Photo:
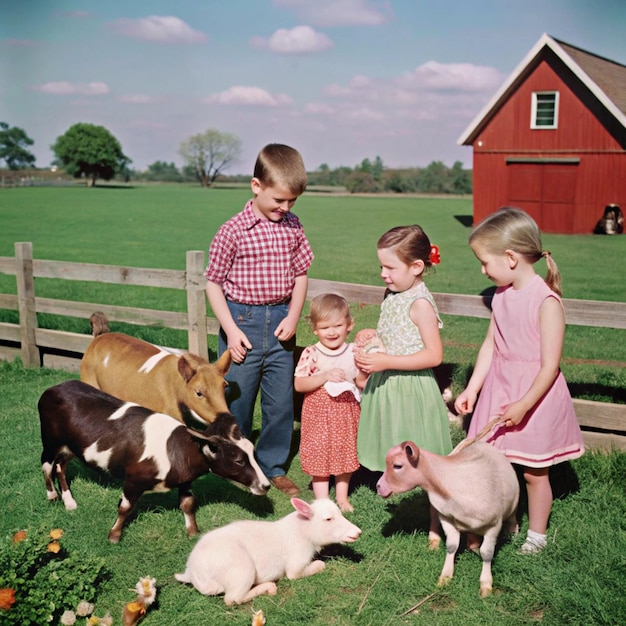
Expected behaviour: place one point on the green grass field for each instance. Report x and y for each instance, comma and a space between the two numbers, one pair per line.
578, 579
153, 226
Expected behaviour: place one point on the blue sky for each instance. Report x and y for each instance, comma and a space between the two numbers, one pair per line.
340, 80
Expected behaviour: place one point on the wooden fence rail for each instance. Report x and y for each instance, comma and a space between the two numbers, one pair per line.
604, 424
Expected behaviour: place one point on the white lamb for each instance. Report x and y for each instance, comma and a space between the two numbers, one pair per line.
243, 559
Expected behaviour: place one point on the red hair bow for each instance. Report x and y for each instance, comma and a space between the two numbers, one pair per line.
434, 258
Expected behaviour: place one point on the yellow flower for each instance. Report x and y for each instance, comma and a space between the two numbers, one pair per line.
20, 535
7, 598
57, 533
54, 546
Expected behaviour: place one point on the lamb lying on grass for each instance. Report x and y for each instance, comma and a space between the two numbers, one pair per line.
243, 559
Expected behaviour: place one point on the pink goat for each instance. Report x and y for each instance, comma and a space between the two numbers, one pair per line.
474, 490
243, 559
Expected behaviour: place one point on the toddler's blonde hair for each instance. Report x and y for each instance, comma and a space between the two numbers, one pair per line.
327, 304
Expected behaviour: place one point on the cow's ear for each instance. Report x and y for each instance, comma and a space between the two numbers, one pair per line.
185, 368
223, 363
412, 453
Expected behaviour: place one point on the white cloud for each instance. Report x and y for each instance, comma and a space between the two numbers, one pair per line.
298, 40
161, 29
452, 77
339, 12
249, 96
63, 87
138, 99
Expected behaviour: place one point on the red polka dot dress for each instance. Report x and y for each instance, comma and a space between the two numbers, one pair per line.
330, 414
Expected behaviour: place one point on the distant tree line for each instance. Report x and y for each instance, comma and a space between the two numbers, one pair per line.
374, 177
92, 152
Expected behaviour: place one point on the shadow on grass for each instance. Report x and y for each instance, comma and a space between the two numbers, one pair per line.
409, 515
208, 489
465, 220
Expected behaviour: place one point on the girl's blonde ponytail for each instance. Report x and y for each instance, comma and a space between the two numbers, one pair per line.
553, 276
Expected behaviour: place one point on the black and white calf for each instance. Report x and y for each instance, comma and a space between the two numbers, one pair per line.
149, 451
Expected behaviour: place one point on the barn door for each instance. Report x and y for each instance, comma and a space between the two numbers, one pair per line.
547, 191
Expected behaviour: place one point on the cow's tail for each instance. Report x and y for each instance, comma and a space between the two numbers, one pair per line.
99, 323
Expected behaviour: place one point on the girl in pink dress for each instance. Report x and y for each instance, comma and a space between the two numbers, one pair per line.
517, 369
326, 375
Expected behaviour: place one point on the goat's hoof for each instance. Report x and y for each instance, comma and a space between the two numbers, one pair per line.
443, 581
486, 591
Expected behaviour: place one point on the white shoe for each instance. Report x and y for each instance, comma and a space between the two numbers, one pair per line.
533, 546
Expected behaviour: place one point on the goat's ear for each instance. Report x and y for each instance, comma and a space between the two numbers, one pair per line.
303, 508
202, 436
412, 453
223, 363
185, 368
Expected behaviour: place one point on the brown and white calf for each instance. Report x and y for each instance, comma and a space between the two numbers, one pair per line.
185, 386
149, 451
474, 490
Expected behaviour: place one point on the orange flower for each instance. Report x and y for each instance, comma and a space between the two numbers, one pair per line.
7, 598
20, 535
57, 533
54, 546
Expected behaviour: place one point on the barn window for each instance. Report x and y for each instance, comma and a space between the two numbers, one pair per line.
545, 109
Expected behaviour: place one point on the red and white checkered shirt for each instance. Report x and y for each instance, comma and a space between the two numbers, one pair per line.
256, 261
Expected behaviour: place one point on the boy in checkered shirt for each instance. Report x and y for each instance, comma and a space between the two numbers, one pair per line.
257, 285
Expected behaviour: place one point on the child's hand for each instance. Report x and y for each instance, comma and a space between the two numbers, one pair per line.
336, 375
366, 340
514, 414
238, 344
363, 336
465, 402
369, 362
286, 329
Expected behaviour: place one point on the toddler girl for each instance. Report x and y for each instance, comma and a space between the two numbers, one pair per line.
326, 375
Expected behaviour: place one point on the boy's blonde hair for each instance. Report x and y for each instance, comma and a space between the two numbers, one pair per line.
278, 164
510, 228
327, 304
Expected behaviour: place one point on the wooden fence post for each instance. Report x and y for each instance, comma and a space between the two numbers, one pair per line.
195, 284
26, 303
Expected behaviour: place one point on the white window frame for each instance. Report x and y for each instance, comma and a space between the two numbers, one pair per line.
534, 111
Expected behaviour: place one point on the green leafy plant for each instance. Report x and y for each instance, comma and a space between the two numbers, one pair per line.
40, 579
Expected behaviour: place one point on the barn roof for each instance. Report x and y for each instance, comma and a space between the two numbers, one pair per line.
606, 79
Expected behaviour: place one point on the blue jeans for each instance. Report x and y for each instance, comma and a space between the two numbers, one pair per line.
269, 365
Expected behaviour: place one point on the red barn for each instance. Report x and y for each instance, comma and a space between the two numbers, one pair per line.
552, 141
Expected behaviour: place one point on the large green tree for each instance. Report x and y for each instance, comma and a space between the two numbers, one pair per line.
209, 153
90, 151
13, 152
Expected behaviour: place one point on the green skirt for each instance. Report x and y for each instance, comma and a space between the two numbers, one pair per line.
399, 406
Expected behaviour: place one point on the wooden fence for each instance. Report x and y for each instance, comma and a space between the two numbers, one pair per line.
604, 424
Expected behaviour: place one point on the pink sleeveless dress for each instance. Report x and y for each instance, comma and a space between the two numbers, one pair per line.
549, 434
